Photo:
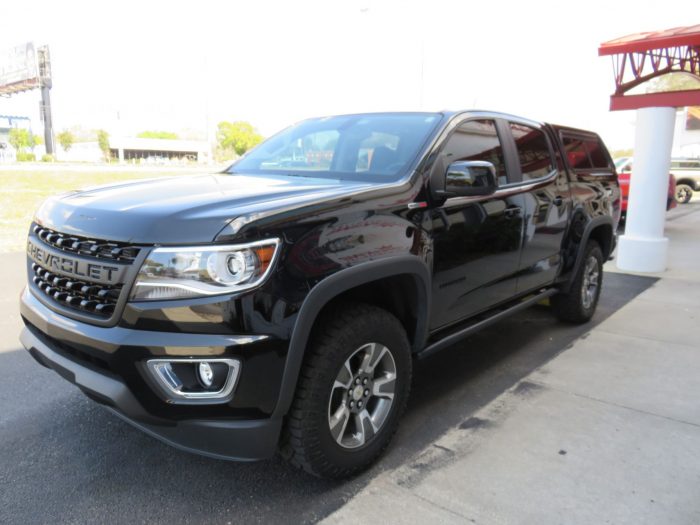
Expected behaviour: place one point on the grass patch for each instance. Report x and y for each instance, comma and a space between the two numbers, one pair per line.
24, 190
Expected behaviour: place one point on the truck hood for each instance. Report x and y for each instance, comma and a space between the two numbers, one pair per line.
182, 210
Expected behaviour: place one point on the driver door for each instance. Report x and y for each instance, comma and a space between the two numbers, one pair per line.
476, 241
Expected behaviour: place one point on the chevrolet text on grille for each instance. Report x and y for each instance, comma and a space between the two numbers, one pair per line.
72, 266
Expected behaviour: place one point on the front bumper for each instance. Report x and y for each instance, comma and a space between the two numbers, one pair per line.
218, 437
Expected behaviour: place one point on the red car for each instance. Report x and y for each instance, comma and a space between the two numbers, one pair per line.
624, 171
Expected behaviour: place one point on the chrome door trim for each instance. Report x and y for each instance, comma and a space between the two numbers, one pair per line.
505, 191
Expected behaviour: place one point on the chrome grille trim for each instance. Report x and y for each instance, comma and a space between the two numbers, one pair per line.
75, 244
74, 284
89, 297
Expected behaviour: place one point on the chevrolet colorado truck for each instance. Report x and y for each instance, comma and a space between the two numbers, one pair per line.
281, 304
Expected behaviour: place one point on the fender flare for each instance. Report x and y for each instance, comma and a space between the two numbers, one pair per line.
334, 285
594, 223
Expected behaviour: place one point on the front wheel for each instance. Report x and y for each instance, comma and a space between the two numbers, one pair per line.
683, 193
351, 392
579, 303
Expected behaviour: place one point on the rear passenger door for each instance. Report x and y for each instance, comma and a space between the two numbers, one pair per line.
545, 200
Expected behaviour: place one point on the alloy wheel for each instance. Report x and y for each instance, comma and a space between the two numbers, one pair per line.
591, 275
683, 195
362, 395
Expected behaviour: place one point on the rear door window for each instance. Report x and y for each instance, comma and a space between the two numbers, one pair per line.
576, 153
595, 152
586, 153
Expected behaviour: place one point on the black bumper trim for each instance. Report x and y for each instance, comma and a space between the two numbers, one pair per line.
108, 339
241, 440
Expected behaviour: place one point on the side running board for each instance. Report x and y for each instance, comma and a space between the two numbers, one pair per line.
461, 334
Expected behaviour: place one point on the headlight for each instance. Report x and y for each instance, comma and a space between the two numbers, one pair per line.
180, 273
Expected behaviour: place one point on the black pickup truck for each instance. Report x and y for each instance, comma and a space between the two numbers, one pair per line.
280, 305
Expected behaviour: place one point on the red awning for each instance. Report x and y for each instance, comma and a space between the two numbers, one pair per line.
678, 36
641, 57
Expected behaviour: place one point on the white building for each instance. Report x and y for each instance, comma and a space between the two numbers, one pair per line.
7, 123
158, 150
686, 135
139, 151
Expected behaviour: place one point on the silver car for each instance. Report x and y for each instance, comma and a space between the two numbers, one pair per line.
687, 174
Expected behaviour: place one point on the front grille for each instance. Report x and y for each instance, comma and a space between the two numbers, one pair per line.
115, 251
94, 298
81, 293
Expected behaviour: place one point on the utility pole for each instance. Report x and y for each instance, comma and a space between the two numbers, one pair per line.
44, 62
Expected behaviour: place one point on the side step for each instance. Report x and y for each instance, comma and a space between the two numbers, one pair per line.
464, 332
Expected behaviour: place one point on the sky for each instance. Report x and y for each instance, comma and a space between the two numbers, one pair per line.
130, 66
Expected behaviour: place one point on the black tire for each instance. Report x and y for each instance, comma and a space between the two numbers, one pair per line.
307, 440
576, 306
683, 193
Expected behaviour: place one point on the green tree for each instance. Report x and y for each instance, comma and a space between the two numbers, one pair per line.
65, 139
618, 153
21, 139
169, 135
103, 143
672, 82
239, 136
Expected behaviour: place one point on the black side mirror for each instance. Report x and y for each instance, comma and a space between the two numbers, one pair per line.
473, 177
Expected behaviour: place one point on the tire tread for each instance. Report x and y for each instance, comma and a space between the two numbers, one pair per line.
300, 444
567, 306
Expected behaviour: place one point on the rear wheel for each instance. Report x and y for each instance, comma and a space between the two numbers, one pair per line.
683, 193
579, 303
352, 390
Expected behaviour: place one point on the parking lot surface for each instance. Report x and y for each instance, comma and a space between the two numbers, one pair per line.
64, 458
608, 431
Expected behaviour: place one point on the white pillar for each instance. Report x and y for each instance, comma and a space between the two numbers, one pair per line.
643, 247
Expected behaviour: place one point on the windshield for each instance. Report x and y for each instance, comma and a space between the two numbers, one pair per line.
621, 162
378, 147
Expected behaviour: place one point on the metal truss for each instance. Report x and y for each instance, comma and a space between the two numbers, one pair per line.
636, 67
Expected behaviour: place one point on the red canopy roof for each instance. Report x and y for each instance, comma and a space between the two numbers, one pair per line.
678, 36
644, 56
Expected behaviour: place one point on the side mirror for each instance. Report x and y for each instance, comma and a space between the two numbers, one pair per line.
473, 177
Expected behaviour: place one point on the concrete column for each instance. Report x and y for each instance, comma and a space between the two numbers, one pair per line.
643, 247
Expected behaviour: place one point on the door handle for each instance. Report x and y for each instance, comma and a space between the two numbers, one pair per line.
558, 200
512, 211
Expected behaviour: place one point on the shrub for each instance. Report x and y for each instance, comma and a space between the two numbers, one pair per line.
158, 135
47, 157
23, 156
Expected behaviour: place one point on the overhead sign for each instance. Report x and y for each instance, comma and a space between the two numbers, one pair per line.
19, 69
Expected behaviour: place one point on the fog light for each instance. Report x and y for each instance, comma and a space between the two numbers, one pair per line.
165, 371
205, 374
195, 380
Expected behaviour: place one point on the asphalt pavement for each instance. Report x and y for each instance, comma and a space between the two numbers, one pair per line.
608, 431
65, 459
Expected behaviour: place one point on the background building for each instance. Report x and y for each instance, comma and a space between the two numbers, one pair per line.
132, 150
686, 136
7, 123
158, 151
